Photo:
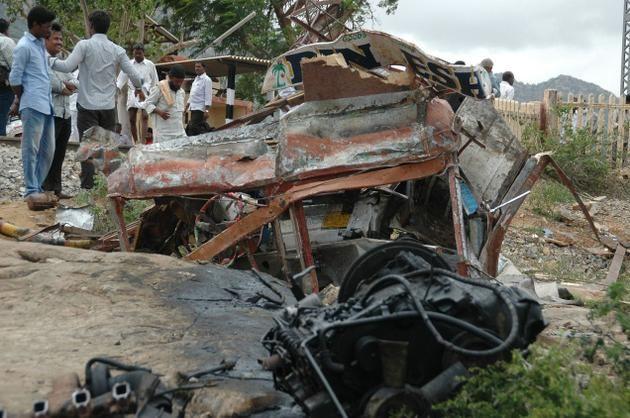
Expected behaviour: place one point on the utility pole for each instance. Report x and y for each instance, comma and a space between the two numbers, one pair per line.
625, 53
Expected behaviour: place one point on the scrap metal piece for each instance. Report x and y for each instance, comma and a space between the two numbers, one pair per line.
490, 169
371, 50
333, 136
80, 217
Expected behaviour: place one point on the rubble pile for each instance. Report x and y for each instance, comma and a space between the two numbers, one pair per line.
11, 178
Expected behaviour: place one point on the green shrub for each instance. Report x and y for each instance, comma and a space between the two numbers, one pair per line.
96, 197
577, 152
545, 197
550, 383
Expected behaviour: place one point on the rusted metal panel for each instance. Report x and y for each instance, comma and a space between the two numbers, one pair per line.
491, 168
280, 203
304, 242
333, 136
329, 77
315, 139
459, 227
371, 50
231, 159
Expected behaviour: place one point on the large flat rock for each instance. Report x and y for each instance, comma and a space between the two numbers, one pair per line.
60, 306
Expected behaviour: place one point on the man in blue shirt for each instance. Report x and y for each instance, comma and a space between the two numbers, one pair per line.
30, 82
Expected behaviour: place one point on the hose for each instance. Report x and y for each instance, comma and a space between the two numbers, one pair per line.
504, 345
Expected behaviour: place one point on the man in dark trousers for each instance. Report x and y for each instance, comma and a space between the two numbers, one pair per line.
97, 59
62, 85
6, 59
199, 101
30, 82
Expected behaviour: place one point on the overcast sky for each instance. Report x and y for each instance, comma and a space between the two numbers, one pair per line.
535, 39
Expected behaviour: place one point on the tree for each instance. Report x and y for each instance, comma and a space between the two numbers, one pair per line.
127, 16
269, 34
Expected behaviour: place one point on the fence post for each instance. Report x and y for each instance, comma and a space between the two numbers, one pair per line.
548, 116
611, 140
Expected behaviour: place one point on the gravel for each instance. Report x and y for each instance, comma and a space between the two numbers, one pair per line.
12, 179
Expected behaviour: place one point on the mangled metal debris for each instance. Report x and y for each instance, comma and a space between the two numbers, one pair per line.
111, 389
402, 336
370, 139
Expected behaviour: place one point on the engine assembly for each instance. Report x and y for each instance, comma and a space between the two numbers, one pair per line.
404, 332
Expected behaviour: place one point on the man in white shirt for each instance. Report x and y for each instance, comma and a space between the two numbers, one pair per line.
7, 45
199, 101
506, 86
146, 70
63, 85
98, 59
165, 105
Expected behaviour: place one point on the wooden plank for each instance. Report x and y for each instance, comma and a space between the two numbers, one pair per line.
601, 121
615, 265
580, 110
610, 133
589, 113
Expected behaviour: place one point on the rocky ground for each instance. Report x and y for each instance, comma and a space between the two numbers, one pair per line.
564, 248
11, 178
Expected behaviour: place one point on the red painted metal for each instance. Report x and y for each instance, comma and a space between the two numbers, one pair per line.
304, 242
458, 217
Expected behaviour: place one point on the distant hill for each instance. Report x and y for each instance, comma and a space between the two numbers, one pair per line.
524, 92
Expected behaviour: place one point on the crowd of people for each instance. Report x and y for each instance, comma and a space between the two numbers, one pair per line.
50, 93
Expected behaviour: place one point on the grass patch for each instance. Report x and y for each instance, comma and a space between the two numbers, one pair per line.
588, 377
578, 152
556, 382
99, 205
545, 197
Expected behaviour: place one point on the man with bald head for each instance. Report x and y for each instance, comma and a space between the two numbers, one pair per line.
488, 64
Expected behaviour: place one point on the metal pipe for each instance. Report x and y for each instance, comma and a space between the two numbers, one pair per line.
121, 391
40, 408
514, 199
233, 29
81, 398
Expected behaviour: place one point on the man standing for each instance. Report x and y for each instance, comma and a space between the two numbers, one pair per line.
199, 101
6, 59
506, 87
488, 65
63, 86
31, 84
146, 69
165, 104
97, 59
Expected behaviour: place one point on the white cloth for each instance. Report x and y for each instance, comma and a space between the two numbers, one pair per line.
98, 59
7, 45
171, 128
200, 93
146, 70
507, 91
